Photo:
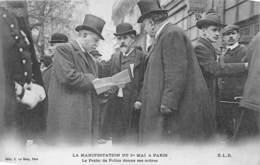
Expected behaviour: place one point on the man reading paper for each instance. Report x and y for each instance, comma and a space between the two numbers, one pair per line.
122, 117
73, 115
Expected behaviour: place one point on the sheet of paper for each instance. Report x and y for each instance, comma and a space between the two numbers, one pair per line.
104, 84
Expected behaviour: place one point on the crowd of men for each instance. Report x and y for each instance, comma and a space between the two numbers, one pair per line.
179, 91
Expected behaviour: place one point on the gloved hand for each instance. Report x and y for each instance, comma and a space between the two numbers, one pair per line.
112, 90
30, 99
137, 105
165, 110
37, 89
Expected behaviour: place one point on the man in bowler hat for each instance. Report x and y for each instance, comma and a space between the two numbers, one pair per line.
210, 26
123, 109
56, 40
231, 88
73, 115
175, 99
25, 104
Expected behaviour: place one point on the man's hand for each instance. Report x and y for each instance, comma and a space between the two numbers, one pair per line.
165, 110
18, 89
30, 99
113, 90
39, 90
137, 105
246, 65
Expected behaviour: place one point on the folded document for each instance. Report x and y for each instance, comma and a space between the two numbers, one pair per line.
103, 84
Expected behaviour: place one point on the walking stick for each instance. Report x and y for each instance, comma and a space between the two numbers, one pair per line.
239, 121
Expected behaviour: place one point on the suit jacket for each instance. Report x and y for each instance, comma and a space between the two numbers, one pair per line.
251, 93
173, 78
231, 87
212, 69
73, 101
131, 91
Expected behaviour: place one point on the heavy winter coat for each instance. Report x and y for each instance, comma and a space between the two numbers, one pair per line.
173, 78
73, 106
251, 94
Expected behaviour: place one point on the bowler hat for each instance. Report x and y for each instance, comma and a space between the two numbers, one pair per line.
17, 4
124, 29
93, 24
209, 19
230, 28
149, 7
58, 38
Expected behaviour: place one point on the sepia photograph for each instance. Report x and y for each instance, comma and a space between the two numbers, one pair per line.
125, 82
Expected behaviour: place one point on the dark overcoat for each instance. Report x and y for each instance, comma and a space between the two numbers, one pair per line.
173, 78
21, 66
211, 69
231, 87
251, 93
46, 76
124, 119
73, 106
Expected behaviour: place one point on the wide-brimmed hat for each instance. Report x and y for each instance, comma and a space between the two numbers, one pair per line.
58, 38
124, 29
149, 7
93, 24
209, 19
230, 28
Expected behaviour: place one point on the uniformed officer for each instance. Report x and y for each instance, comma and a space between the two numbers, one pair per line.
231, 88
25, 96
56, 40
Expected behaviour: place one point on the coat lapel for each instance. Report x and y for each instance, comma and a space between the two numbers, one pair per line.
80, 53
208, 45
156, 41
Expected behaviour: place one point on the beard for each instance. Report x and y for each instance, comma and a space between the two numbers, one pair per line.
124, 49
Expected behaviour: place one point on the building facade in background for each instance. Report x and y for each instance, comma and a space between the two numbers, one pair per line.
185, 13
244, 13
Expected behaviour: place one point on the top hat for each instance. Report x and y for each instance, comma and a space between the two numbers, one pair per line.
124, 29
209, 19
230, 28
58, 38
148, 7
92, 23
17, 4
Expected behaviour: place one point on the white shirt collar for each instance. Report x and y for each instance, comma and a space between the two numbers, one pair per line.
233, 46
160, 29
129, 52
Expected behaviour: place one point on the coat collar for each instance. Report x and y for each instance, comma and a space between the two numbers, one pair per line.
166, 25
79, 51
206, 43
137, 58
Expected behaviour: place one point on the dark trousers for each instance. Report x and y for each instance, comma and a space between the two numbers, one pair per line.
236, 122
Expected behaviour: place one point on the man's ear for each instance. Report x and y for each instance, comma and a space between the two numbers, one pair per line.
238, 36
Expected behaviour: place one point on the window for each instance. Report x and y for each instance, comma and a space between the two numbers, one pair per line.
244, 11
230, 16
229, 3
256, 28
